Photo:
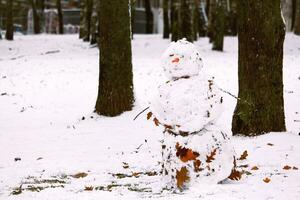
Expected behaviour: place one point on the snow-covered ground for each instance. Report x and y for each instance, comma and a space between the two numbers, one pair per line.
52, 145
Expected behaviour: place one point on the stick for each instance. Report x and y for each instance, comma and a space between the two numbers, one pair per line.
140, 113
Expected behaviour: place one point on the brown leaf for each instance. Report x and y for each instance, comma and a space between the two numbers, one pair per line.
136, 174
244, 155
182, 177
266, 180
295, 168
235, 175
211, 157
79, 175
197, 164
88, 188
254, 168
287, 167
156, 122
270, 144
185, 154
125, 165
168, 126
149, 115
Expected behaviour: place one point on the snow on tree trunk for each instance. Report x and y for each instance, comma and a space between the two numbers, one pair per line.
260, 38
115, 91
194, 150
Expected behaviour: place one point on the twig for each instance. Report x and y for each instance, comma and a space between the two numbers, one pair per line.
140, 113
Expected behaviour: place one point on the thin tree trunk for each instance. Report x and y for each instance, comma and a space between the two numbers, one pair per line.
218, 25
166, 33
115, 92
175, 19
186, 26
36, 19
60, 17
260, 38
297, 18
149, 17
9, 21
88, 19
82, 31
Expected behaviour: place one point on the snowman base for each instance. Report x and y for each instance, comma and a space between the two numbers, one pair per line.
204, 157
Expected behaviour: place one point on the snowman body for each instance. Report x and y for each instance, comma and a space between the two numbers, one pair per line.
194, 150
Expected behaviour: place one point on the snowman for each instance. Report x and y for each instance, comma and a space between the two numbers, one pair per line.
194, 150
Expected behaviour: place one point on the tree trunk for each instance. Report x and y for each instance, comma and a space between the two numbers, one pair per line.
260, 38
218, 24
166, 33
60, 17
9, 21
115, 92
88, 19
186, 26
287, 11
82, 31
132, 16
149, 17
231, 18
36, 19
175, 19
297, 18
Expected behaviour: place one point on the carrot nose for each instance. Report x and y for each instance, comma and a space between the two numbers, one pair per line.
175, 60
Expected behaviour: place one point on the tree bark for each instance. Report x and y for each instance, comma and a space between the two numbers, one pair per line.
218, 24
9, 21
115, 92
260, 38
175, 19
60, 17
186, 26
82, 31
166, 33
88, 19
132, 16
149, 17
36, 19
297, 18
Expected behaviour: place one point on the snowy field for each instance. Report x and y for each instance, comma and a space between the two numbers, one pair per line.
52, 145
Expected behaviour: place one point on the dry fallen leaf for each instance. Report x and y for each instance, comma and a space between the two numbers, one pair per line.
156, 122
88, 188
211, 157
185, 154
136, 174
149, 115
244, 155
295, 168
235, 175
266, 180
254, 168
287, 167
79, 175
270, 144
182, 177
125, 165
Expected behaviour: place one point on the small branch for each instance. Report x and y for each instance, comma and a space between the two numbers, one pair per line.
140, 113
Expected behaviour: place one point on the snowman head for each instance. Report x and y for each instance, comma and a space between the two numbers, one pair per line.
181, 59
